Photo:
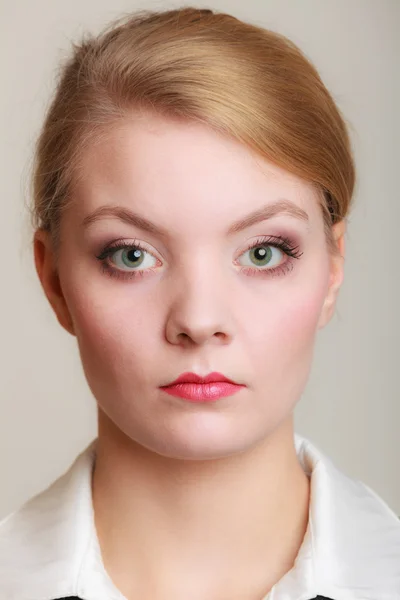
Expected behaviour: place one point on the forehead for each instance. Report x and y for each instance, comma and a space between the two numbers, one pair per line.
173, 170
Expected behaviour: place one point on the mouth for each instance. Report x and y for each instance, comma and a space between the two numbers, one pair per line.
197, 388
202, 392
213, 377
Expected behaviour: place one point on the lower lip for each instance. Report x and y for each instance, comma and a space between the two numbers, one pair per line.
208, 392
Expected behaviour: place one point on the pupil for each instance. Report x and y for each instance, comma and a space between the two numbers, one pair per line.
262, 254
133, 255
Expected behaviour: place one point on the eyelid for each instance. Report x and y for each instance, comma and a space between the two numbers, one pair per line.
281, 242
120, 244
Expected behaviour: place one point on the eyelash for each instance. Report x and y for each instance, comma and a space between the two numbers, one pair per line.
282, 243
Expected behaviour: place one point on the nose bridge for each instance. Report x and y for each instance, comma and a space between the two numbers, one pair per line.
201, 298
202, 283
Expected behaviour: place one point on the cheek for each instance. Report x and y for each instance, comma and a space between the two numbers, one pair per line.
300, 307
283, 338
114, 329
297, 319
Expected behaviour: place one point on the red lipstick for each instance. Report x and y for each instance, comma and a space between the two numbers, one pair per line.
195, 388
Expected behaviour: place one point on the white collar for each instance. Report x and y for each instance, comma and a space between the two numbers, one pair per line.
351, 550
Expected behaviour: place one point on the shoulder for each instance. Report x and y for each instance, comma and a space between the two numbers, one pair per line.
43, 543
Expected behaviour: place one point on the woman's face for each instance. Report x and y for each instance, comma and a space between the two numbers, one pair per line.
195, 297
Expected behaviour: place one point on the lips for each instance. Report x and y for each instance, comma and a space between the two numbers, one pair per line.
206, 392
194, 378
202, 389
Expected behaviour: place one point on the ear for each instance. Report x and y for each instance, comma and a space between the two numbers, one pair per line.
336, 274
46, 268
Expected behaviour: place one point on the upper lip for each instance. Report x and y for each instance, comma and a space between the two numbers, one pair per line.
193, 378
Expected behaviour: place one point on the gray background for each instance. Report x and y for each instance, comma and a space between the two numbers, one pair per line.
351, 406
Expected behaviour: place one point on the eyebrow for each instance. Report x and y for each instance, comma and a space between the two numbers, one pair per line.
263, 213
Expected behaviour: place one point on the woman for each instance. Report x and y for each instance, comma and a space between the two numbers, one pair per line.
192, 183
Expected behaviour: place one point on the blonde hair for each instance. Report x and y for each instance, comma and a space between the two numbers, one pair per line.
242, 80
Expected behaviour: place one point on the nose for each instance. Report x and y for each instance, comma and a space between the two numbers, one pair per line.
200, 310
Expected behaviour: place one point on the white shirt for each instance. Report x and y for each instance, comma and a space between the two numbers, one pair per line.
351, 550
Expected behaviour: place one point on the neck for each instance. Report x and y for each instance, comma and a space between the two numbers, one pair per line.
219, 527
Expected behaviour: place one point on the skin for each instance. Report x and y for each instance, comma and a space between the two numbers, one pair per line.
222, 498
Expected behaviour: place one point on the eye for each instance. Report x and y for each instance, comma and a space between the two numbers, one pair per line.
123, 258
132, 257
263, 255
127, 260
